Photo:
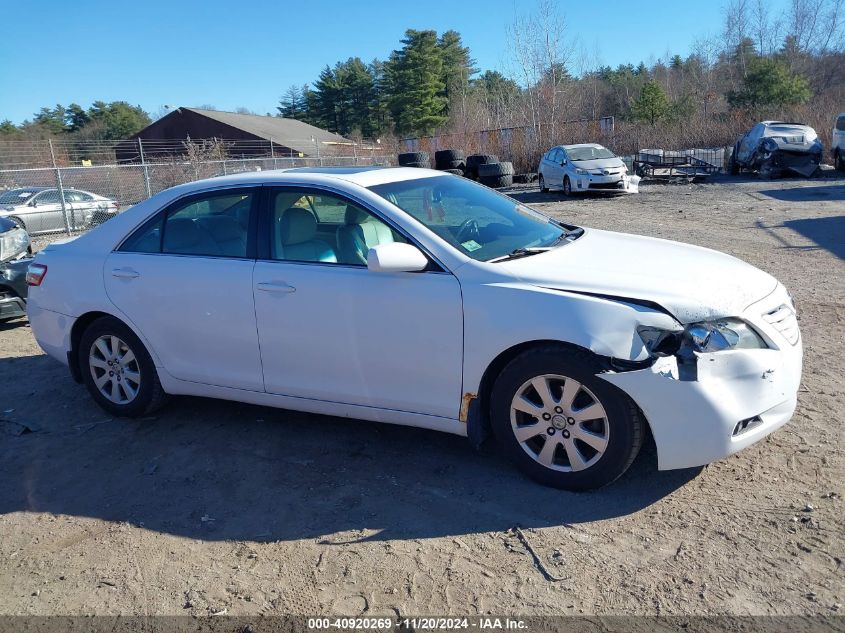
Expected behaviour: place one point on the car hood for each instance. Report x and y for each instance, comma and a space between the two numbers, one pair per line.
690, 282
599, 163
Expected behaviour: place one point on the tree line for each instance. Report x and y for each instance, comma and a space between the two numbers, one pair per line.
762, 64
100, 121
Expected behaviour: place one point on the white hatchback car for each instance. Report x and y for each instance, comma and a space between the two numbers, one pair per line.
582, 168
413, 297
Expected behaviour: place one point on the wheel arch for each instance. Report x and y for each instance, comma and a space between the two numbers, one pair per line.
82, 323
478, 415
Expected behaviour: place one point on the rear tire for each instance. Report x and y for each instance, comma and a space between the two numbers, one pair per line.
594, 429
118, 371
839, 161
496, 182
414, 159
495, 169
542, 182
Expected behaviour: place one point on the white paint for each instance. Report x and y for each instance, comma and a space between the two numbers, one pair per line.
403, 347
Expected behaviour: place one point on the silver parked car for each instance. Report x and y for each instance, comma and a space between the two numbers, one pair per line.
772, 148
584, 167
39, 209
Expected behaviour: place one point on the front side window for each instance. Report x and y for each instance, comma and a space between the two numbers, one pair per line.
474, 219
315, 226
215, 225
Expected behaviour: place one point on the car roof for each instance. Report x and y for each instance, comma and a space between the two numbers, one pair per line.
785, 124
26, 189
362, 176
574, 145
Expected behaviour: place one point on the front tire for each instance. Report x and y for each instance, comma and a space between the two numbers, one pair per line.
567, 186
839, 161
560, 423
118, 370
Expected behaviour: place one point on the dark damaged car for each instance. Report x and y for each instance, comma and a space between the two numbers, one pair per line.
775, 148
14, 260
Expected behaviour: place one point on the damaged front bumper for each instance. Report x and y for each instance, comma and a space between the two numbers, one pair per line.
13, 289
614, 183
736, 397
771, 161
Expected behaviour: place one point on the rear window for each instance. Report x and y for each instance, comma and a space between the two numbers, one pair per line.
840, 123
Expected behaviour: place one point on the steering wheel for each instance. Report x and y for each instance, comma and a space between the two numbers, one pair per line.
468, 229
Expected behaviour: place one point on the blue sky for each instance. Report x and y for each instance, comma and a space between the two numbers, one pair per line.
230, 54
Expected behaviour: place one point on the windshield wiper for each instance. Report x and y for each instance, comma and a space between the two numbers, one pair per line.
520, 252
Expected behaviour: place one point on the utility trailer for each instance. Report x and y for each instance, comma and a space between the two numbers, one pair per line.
690, 165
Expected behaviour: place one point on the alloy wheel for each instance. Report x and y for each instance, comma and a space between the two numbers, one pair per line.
559, 423
115, 369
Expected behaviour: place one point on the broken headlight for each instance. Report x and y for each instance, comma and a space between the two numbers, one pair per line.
706, 336
715, 336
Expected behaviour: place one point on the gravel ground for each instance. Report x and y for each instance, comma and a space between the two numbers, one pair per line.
217, 505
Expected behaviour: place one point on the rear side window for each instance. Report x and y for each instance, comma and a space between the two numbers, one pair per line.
840, 123
215, 225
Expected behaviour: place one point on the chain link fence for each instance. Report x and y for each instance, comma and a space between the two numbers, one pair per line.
54, 189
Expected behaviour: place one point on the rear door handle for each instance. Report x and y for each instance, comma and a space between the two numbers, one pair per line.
275, 286
125, 273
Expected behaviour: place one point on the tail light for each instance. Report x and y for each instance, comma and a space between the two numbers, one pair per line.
35, 274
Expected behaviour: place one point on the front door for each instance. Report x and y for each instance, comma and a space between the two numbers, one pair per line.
332, 330
184, 279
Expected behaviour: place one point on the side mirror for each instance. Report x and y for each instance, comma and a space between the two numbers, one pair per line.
396, 257
33, 204
563, 162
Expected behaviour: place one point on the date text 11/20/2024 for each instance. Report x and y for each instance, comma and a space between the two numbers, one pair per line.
417, 624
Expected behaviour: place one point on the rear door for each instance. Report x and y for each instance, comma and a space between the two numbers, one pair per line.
554, 177
839, 134
184, 279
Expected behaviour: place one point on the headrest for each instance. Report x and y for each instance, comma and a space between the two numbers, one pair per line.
182, 234
297, 225
354, 215
222, 227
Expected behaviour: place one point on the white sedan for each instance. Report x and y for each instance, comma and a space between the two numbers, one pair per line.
414, 297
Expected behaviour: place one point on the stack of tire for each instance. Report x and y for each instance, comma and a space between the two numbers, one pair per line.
496, 175
474, 160
451, 161
415, 159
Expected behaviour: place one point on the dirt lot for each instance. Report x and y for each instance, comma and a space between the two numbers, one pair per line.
216, 505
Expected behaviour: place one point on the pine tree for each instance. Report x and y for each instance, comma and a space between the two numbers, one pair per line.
652, 104
416, 84
457, 67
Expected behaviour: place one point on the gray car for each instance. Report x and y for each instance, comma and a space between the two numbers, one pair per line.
14, 261
40, 209
772, 148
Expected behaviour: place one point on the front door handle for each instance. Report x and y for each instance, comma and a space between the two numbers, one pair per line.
275, 286
125, 273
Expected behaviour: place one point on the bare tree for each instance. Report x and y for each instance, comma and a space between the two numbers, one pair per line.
542, 52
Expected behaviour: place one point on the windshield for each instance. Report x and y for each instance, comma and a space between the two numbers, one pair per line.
473, 218
588, 153
16, 196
